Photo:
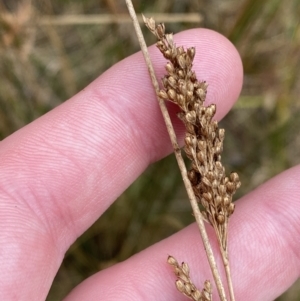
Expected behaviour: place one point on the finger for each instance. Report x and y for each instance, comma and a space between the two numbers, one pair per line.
59, 173
264, 252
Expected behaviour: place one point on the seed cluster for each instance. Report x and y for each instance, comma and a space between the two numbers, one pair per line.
203, 139
185, 285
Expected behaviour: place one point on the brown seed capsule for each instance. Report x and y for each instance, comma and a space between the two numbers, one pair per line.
167, 54
188, 62
201, 157
196, 84
182, 87
150, 23
215, 184
189, 95
169, 39
212, 134
180, 285
193, 76
177, 271
190, 128
188, 152
204, 85
188, 289
185, 268
201, 94
219, 166
160, 30
191, 52
180, 100
218, 200
188, 140
191, 117
204, 203
221, 134
181, 82
221, 218
202, 111
170, 68
163, 94
217, 150
181, 74
214, 125
183, 276
180, 50
226, 201
210, 175
206, 296
172, 261
172, 81
205, 215
160, 45
193, 176
196, 295
211, 110
230, 187
234, 177
181, 61
222, 190
194, 141
165, 82
172, 94
206, 181
231, 208
217, 142
207, 196
190, 86
202, 145
207, 286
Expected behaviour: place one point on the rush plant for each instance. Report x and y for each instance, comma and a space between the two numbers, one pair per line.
209, 189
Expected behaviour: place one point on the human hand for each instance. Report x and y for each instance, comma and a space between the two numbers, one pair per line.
61, 172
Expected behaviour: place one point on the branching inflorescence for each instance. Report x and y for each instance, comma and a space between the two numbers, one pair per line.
203, 139
185, 285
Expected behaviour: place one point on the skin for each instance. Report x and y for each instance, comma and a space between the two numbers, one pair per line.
62, 171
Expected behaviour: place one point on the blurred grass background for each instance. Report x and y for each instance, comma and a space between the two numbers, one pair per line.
51, 49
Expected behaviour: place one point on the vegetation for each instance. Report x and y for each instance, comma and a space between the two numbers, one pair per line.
46, 57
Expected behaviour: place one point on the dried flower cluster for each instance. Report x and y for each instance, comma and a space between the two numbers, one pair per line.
203, 140
203, 146
186, 286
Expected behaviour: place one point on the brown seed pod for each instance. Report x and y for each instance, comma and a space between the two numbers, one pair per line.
172, 94
221, 218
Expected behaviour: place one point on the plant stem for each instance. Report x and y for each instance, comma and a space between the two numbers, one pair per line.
180, 161
225, 259
229, 279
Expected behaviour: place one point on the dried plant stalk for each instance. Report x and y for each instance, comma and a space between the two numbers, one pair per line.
185, 285
203, 139
206, 182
